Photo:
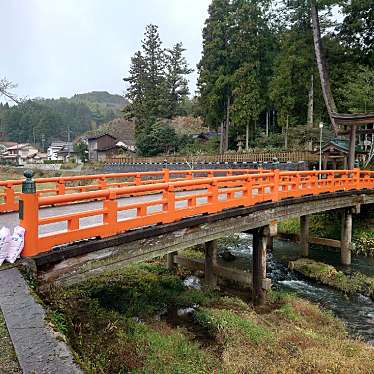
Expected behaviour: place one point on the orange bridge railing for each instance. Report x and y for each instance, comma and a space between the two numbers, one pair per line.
168, 201
10, 190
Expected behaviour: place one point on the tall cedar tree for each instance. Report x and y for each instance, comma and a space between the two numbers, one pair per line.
215, 69
248, 46
294, 66
357, 30
146, 91
137, 109
175, 79
157, 83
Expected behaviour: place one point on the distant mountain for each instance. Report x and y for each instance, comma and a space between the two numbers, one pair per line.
41, 121
102, 97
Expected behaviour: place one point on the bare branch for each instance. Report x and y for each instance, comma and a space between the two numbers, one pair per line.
5, 90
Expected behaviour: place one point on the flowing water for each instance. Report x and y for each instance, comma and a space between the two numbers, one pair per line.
356, 312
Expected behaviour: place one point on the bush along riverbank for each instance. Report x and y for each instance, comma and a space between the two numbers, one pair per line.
327, 225
147, 319
356, 283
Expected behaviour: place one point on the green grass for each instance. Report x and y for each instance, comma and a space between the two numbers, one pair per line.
232, 326
328, 275
8, 359
113, 324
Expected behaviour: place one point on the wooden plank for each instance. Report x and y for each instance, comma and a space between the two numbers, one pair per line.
312, 240
221, 271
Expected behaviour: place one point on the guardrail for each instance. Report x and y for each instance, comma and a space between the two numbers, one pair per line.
171, 201
293, 156
10, 190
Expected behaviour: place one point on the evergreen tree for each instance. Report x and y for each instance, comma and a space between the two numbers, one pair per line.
175, 80
357, 30
136, 91
249, 46
154, 65
215, 68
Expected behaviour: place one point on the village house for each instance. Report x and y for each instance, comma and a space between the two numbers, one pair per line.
20, 154
55, 148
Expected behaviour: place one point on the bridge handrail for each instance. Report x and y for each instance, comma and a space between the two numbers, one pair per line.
118, 192
10, 194
237, 190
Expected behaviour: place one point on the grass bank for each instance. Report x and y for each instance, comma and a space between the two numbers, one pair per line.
326, 274
136, 322
8, 359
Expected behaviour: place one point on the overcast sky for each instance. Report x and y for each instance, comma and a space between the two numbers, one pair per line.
55, 48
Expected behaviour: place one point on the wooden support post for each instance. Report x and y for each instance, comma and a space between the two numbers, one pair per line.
346, 237
259, 265
352, 148
170, 260
210, 262
304, 235
270, 243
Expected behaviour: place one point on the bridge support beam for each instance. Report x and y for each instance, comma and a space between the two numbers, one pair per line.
170, 260
346, 236
304, 234
210, 263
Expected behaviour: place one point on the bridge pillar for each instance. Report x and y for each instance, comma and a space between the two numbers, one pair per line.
170, 262
210, 262
260, 238
270, 243
346, 236
304, 235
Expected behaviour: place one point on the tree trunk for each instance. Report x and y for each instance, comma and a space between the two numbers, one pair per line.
286, 135
222, 137
322, 68
227, 124
267, 124
311, 105
247, 137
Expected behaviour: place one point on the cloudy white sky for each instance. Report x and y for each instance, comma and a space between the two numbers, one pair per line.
55, 48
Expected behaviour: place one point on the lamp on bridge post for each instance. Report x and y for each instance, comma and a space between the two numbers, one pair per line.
320, 145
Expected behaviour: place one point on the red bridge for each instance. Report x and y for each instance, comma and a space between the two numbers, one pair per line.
118, 209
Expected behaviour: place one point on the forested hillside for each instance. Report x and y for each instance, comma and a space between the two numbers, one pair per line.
41, 121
